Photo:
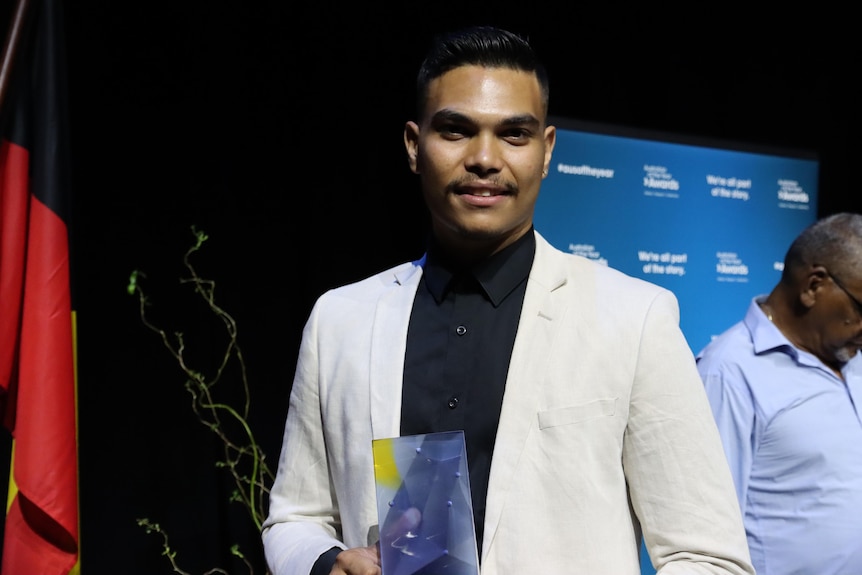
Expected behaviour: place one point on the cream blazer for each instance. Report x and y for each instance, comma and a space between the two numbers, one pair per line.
605, 432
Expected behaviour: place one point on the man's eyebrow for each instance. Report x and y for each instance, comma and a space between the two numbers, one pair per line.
449, 115
521, 120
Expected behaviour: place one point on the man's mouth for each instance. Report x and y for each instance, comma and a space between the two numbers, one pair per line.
480, 193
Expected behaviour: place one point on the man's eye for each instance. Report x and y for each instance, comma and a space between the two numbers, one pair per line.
453, 131
516, 136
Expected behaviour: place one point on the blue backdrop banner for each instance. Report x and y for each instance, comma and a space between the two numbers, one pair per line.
707, 220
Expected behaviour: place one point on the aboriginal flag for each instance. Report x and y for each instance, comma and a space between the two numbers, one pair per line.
37, 323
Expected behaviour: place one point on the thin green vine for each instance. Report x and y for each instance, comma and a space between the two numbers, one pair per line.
243, 456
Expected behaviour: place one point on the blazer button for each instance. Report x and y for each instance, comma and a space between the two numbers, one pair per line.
453, 402
460, 330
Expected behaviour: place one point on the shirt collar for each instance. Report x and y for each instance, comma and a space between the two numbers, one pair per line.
764, 334
498, 275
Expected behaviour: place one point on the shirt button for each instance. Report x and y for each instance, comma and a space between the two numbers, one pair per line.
460, 330
453, 402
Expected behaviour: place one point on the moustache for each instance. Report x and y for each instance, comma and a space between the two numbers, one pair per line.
467, 181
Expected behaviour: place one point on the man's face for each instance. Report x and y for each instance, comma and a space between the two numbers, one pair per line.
481, 149
842, 333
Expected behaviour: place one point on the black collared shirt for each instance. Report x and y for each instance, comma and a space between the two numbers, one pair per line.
459, 342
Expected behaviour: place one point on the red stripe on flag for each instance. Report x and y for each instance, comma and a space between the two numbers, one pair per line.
41, 531
13, 240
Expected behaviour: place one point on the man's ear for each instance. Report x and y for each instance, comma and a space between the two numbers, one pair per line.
813, 283
550, 140
411, 144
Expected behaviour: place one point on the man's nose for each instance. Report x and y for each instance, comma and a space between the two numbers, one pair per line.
484, 155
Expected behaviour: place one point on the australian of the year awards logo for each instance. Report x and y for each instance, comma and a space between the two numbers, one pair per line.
659, 181
792, 195
730, 267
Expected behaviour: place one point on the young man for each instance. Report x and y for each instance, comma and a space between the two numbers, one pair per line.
584, 418
785, 385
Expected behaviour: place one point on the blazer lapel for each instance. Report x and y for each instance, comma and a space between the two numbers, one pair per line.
544, 304
387, 348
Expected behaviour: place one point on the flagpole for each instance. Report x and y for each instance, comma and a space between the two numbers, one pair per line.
10, 47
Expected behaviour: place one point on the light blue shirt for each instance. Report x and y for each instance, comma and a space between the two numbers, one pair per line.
792, 434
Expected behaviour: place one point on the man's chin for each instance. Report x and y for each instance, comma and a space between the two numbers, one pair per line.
845, 354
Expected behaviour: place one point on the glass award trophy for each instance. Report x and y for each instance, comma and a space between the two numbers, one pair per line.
424, 507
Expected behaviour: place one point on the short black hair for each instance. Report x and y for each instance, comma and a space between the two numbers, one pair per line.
486, 46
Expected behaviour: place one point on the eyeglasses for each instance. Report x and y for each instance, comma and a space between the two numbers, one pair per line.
855, 301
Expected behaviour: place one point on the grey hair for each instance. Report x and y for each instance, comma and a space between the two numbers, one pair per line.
834, 242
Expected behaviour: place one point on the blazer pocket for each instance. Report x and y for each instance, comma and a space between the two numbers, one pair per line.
577, 413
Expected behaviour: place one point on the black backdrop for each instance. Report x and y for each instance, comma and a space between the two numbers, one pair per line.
275, 127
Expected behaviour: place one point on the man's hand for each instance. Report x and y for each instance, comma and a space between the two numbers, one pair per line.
357, 561
366, 560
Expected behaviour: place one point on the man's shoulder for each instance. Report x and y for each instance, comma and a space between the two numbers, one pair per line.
731, 347
405, 273
581, 268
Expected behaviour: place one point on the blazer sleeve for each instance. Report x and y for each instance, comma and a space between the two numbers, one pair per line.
680, 484
303, 520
